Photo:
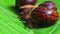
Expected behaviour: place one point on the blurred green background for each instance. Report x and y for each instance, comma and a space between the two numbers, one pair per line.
10, 24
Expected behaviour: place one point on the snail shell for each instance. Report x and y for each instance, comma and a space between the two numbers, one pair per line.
45, 13
24, 2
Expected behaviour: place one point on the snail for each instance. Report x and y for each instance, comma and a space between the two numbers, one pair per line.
43, 15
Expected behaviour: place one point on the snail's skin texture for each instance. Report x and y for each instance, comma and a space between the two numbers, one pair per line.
26, 14
44, 15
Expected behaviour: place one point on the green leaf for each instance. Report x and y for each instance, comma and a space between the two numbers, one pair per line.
10, 24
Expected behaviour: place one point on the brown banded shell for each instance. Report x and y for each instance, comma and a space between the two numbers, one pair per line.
46, 13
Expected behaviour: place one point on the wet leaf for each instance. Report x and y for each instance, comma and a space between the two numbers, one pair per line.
10, 24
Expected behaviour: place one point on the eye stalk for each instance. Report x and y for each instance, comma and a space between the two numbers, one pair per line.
28, 6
